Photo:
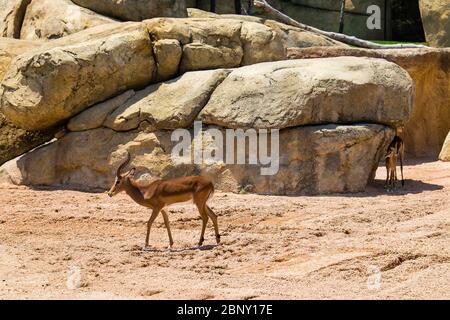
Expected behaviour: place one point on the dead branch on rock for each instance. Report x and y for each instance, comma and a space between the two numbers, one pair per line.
354, 41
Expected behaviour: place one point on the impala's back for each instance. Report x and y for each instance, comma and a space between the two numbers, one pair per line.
180, 190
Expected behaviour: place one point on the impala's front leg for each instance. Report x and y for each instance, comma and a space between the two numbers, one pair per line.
149, 224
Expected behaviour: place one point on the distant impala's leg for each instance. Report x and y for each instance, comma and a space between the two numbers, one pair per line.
213, 217
386, 184
395, 177
204, 217
150, 222
166, 222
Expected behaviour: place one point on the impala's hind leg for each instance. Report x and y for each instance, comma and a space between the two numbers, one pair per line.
395, 177
167, 223
386, 184
213, 217
204, 217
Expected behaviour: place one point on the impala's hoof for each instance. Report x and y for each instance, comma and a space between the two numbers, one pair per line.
170, 247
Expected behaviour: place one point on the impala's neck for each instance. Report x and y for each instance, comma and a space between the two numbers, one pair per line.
133, 192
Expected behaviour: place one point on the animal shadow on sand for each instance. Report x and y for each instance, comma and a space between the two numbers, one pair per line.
176, 250
377, 188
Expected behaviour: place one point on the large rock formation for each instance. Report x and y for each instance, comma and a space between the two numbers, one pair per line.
68, 75
11, 17
436, 21
334, 115
304, 92
425, 132
51, 19
13, 140
445, 152
136, 10
309, 159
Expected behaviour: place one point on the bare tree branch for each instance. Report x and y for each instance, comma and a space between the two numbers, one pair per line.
266, 7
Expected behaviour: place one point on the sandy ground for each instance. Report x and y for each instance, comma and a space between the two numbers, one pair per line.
63, 244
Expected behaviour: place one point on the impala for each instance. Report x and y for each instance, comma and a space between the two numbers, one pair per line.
162, 193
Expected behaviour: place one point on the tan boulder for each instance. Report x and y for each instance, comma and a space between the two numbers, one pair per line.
445, 152
168, 54
95, 116
12, 13
45, 87
136, 10
304, 92
13, 140
168, 105
436, 21
164, 106
425, 132
51, 19
336, 159
198, 13
261, 43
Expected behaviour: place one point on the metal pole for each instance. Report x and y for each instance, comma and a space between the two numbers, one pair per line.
341, 18
388, 20
238, 6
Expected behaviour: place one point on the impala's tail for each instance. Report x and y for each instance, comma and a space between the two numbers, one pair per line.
211, 194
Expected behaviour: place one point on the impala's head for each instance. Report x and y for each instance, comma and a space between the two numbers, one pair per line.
121, 178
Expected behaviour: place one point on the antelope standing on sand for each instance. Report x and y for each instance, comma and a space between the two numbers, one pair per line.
391, 168
162, 193
396, 150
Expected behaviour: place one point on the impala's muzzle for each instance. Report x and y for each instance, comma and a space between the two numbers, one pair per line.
113, 191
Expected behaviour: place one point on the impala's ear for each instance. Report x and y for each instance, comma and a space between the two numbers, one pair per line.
131, 172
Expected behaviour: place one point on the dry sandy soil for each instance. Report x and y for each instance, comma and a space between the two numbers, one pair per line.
273, 247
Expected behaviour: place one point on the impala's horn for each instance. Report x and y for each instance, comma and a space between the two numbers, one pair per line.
123, 165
